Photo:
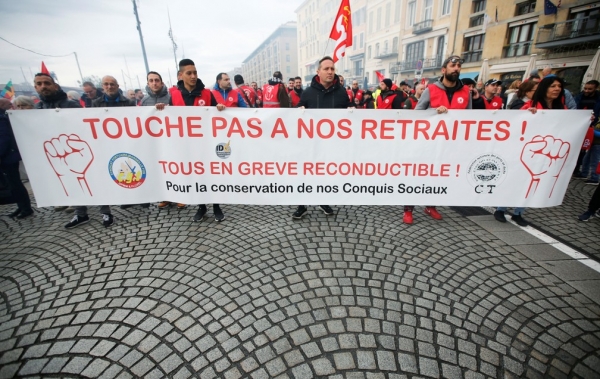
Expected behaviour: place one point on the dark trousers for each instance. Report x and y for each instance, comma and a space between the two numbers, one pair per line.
595, 201
18, 190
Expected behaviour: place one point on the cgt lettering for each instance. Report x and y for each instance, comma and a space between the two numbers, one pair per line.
487, 189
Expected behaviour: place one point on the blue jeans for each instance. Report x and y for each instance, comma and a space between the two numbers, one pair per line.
518, 211
590, 162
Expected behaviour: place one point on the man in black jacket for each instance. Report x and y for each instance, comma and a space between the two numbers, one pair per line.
51, 95
325, 91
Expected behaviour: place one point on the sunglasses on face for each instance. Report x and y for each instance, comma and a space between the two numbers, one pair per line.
455, 60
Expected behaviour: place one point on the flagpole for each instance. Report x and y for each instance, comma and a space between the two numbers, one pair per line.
79, 67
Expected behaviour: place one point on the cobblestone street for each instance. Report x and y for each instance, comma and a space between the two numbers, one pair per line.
355, 295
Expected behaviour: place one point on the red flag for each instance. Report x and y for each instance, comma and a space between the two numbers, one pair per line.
423, 81
380, 76
342, 30
44, 69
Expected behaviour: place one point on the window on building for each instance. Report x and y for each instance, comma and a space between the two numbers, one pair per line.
520, 40
288, 58
362, 40
526, 7
473, 47
287, 45
371, 22
397, 13
441, 44
388, 14
379, 18
428, 10
395, 45
410, 14
288, 69
376, 50
479, 5
385, 47
369, 52
357, 68
446, 7
476, 21
414, 52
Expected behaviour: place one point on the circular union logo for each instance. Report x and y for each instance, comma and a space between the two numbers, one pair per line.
223, 150
487, 169
230, 99
201, 102
127, 170
387, 101
495, 104
460, 100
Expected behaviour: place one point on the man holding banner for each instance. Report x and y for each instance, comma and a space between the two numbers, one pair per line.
325, 91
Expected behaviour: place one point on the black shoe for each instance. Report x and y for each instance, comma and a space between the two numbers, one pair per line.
107, 220
25, 214
199, 216
219, 216
326, 209
301, 211
76, 221
519, 220
499, 216
125, 206
145, 205
14, 214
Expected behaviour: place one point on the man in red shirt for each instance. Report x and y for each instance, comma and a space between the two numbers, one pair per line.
490, 98
296, 93
355, 93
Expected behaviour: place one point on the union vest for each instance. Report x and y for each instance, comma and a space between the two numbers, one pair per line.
529, 104
496, 103
295, 99
387, 103
177, 99
250, 94
359, 95
270, 99
438, 98
232, 98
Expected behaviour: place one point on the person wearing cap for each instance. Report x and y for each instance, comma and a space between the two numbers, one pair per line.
447, 93
368, 101
489, 100
389, 99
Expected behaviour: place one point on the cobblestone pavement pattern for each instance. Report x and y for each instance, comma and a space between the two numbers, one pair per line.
357, 295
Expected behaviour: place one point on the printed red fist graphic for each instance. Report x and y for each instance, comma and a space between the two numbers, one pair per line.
544, 158
70, 157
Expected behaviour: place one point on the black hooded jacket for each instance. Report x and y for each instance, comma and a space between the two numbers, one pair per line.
58, 100
317, 97
189, 97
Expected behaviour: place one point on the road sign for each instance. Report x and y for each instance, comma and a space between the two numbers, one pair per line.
419, 65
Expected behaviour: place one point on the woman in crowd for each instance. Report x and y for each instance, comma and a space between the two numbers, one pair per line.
524, 94
23, 102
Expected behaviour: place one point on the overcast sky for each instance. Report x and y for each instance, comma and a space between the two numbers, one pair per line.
217, 35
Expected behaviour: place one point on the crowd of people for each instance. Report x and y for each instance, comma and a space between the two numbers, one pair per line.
326, 90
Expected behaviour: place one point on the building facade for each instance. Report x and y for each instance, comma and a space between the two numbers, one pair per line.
507, 33
279, 52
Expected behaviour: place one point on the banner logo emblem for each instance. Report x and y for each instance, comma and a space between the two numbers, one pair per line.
223, 150
486, 171
127, 170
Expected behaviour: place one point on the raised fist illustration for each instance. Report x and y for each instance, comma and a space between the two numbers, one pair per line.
544, 158
70, 157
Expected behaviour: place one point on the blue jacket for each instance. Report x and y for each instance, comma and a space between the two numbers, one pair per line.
9, 152
241, 102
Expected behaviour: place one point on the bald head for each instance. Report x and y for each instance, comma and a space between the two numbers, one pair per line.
5, 104
546, 71
110, 85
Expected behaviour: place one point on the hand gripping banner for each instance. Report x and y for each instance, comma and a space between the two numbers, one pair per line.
195, 155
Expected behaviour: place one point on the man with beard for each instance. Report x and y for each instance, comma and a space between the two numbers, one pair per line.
52, 96
225, 94
297, 92
489, 99
247, 93
259, 94
275, 95
190, 91
389, 99
447, 93
355, 93
324, 92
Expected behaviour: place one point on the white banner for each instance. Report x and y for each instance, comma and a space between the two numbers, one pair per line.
197, 155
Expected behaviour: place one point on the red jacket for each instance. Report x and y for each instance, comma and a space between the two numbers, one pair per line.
295, 98
438, 97
387, 103
495, 103
177, 99
270, 93
250, 95
232, 97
